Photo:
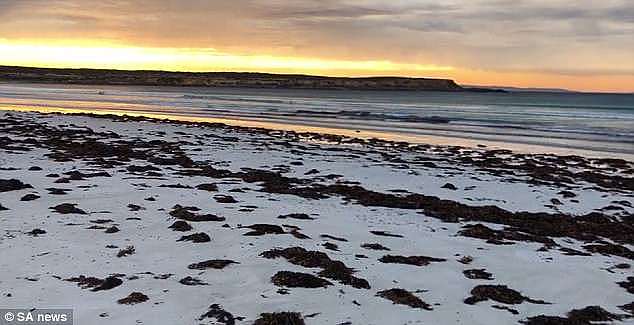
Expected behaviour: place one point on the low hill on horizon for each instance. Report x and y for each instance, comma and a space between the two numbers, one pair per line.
223, 79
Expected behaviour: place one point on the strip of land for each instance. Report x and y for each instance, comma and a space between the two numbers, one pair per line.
223, 79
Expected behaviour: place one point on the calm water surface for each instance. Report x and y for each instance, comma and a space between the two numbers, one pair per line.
603, 123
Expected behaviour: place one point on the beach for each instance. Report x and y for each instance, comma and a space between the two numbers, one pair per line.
316, 162
131, 219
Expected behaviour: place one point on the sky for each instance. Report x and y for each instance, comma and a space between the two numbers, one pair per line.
576, 44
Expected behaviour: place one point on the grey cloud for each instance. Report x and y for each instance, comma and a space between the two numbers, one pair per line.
545, 35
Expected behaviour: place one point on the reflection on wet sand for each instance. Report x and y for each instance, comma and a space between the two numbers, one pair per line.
364, 134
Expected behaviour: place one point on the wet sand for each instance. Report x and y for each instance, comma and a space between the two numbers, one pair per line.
437, 140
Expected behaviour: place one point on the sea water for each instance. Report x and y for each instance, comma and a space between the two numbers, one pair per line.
601, 123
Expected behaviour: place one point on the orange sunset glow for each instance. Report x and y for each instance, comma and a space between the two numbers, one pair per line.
470, 42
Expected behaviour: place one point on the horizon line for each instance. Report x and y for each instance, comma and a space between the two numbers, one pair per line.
509, 88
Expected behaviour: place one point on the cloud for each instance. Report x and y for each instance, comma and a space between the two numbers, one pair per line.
566, 36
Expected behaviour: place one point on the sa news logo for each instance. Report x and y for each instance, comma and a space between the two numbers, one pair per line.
30, 317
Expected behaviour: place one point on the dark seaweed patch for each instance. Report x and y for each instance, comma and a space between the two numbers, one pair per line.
331, 269
211, 264
404, 297
298, 280
410, 260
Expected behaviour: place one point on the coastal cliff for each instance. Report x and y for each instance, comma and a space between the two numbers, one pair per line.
222, 79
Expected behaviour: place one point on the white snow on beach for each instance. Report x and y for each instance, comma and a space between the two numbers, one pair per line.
34, 267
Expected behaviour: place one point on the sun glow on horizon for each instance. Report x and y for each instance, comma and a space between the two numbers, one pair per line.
105, 55
110, 56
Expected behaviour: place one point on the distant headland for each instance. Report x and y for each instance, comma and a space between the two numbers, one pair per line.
225, 79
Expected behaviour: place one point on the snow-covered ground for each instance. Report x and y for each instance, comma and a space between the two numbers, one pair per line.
35, 268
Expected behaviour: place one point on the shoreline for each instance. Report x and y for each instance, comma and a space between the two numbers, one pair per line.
436, 140
130, 218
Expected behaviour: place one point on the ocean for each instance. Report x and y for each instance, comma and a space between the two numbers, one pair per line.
599, 124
